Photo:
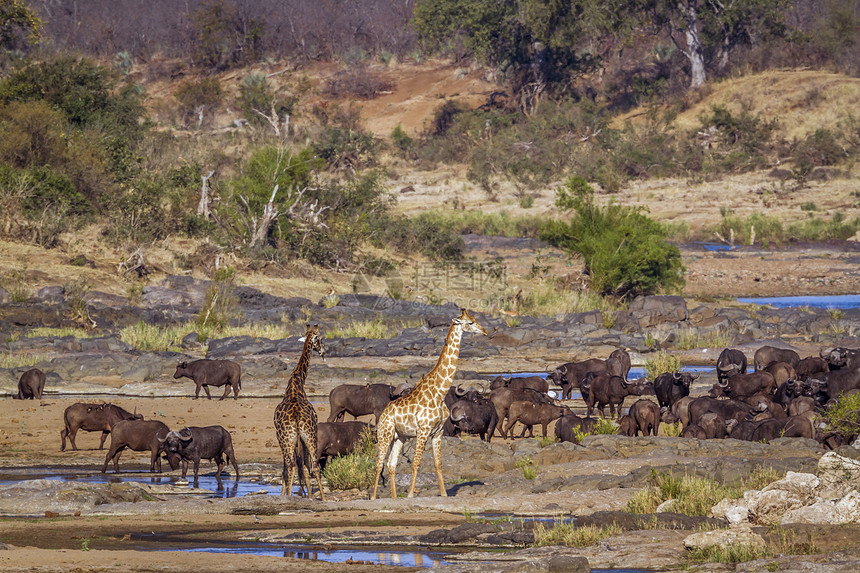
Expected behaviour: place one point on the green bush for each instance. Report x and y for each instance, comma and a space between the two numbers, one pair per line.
356, 469
205, 93
625, 251
767, 229
844, 416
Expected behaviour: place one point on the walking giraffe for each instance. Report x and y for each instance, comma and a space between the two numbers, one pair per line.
420, 413
295, 418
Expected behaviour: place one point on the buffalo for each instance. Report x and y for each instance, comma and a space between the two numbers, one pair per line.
139, 436
566, 426
644, 416
810, 366
92, 418
744, 385
781, 371
338, 439
195, 443
502, 398
530, 414
729, 363
836, 382
623, 359
728, 409
359, 400
767, 354
672, 386
535, 383
603, 389
30, 385
570, 375
475, 415
216, 373
840, 357
713, 425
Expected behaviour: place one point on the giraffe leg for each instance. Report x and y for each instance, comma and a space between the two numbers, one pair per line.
436, 443
384, 436
393, 457
420, 442
309, 441
287, 437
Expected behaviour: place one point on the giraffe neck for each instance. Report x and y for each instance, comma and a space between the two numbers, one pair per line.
296, 384
439, 379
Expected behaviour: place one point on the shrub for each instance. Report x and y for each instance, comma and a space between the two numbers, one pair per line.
219, 304
625, 252
356, 82
571, 535
661, 362
401, 140
356, 469
844, 416
198, 96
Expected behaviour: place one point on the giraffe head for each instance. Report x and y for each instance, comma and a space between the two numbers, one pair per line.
469, 324
313, 334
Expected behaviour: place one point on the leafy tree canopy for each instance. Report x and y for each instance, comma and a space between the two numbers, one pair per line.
625, 251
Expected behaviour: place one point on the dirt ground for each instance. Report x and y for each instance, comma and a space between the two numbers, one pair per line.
29, 437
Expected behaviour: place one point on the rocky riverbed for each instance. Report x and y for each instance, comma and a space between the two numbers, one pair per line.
490, 505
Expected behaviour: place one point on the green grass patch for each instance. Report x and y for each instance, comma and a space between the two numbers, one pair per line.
57, 332
548, 299
153, 338
528, 467
376, 328
844, 416
694, 495
605, 426
690, 338
661, 362
356, 469
500, 224
731, 553
570, 535
19, 359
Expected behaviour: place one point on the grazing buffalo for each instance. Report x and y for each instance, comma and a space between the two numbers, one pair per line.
767, 354
502, 398
30, 385
570, 375
781, 371
566, 426
744, 385
681, 409
713, 425
92, 418
338, 439
603, 389
694, 431
359, 400
216, 373
728, 409
138, 436
793, 427
672, 386
729, 363
810, 366
474, 416
530, 414
536, 383
644, 416
195, 443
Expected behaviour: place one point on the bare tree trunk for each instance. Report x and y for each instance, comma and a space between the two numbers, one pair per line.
693, 49
261, 227
203, 206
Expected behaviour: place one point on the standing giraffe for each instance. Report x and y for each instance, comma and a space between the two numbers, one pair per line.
420, 413
295, 418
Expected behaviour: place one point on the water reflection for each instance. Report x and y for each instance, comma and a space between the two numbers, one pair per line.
404, 557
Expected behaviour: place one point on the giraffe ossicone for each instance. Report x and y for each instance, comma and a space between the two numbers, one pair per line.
420, 413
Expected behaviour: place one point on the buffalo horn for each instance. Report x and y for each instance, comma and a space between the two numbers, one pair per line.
724, 384
458, 390
676, 375
695, 375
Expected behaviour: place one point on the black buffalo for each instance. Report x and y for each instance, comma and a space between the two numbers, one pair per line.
566, 427
672, 386
534, 382
729, 363
359, 400
195, 443
30, 385
216, 373
644, 416
138, 436
92, 418
570, 375
603, 388
744, 385
728, 409
475, 415
767, 354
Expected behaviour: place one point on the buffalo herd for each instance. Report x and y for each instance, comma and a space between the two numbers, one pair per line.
780, 397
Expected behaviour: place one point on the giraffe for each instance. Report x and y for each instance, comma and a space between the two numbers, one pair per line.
420, 413
295, 418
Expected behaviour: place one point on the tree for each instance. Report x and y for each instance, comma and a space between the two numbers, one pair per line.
709, 31
625, 251
538, 45
18, 25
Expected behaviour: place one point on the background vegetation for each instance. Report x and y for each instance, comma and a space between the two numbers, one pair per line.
79, 147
